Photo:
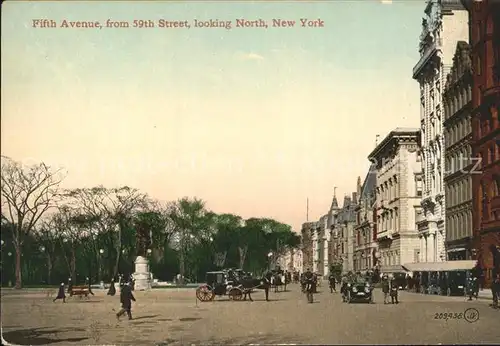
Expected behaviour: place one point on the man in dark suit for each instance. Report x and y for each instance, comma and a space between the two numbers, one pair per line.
331, 280
126, 298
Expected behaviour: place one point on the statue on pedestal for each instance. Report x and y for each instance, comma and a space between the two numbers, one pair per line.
143, 241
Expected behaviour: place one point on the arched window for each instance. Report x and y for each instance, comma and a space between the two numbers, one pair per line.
391, 193
455, 226
461, 220
469, 228
495, 186
466, 225
483, 196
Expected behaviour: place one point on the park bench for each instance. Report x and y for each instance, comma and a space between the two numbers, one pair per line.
79, 291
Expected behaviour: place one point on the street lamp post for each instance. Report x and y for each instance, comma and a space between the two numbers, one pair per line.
1, 254
101, 253
42, 251
269, 256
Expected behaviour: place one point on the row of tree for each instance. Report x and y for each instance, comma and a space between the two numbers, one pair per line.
50, 233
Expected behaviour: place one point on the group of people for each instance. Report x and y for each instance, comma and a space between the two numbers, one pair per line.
126, 296
390, 288
61, 294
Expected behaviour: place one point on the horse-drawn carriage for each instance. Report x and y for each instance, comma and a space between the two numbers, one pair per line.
219, 284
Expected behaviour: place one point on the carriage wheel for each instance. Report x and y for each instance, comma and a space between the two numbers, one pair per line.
235, 294
205, 294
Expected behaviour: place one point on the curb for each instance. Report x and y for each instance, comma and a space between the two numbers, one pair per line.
482, 297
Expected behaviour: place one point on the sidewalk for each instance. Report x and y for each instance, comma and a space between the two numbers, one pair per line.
485, 294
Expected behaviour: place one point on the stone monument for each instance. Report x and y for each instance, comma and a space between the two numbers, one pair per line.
143, 240
141, 275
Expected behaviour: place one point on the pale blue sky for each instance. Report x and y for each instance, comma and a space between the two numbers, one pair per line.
254, 121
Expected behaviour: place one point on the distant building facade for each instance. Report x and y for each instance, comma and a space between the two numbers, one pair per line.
459, 165
365, 247
343, 233
445, 24
291, 260
398, 194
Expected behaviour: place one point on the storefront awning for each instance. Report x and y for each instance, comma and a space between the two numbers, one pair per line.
458, 249
393, 269
439, 266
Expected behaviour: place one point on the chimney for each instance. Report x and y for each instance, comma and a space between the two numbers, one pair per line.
355, 197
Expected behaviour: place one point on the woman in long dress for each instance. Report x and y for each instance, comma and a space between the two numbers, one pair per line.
112, 289
61, 294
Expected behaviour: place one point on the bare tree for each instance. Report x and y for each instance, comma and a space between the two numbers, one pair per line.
48, 237
159, 226
28, 192
70, 235
111, 210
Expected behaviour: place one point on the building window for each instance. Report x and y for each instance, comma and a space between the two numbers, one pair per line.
484, 199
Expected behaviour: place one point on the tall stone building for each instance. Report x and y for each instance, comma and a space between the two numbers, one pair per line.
307, 245
458, 155
365, 247
320, 245
343, 233
398, 166
318, 250
484, 25
444, 24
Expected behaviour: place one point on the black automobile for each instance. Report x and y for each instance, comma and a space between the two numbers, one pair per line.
400, 280
453, 282
359, 290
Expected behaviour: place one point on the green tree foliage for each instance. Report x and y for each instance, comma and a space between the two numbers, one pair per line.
98, 233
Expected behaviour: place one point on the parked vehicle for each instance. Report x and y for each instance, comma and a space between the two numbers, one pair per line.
443, 278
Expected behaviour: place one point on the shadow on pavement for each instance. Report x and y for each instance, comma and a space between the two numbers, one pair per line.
40, 336
145, 317
189, 319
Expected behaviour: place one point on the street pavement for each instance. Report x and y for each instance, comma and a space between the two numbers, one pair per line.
164, 316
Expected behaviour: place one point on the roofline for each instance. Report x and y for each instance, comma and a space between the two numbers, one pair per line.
392, 135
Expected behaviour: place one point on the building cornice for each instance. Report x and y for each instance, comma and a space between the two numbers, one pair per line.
429, 52
395, 137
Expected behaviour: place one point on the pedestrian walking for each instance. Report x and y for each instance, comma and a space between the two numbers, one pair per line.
331, 280
126, 298
61, 294
112, 289
394, 290
385, 287
495, 288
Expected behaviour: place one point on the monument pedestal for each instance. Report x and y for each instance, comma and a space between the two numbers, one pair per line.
141, 275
